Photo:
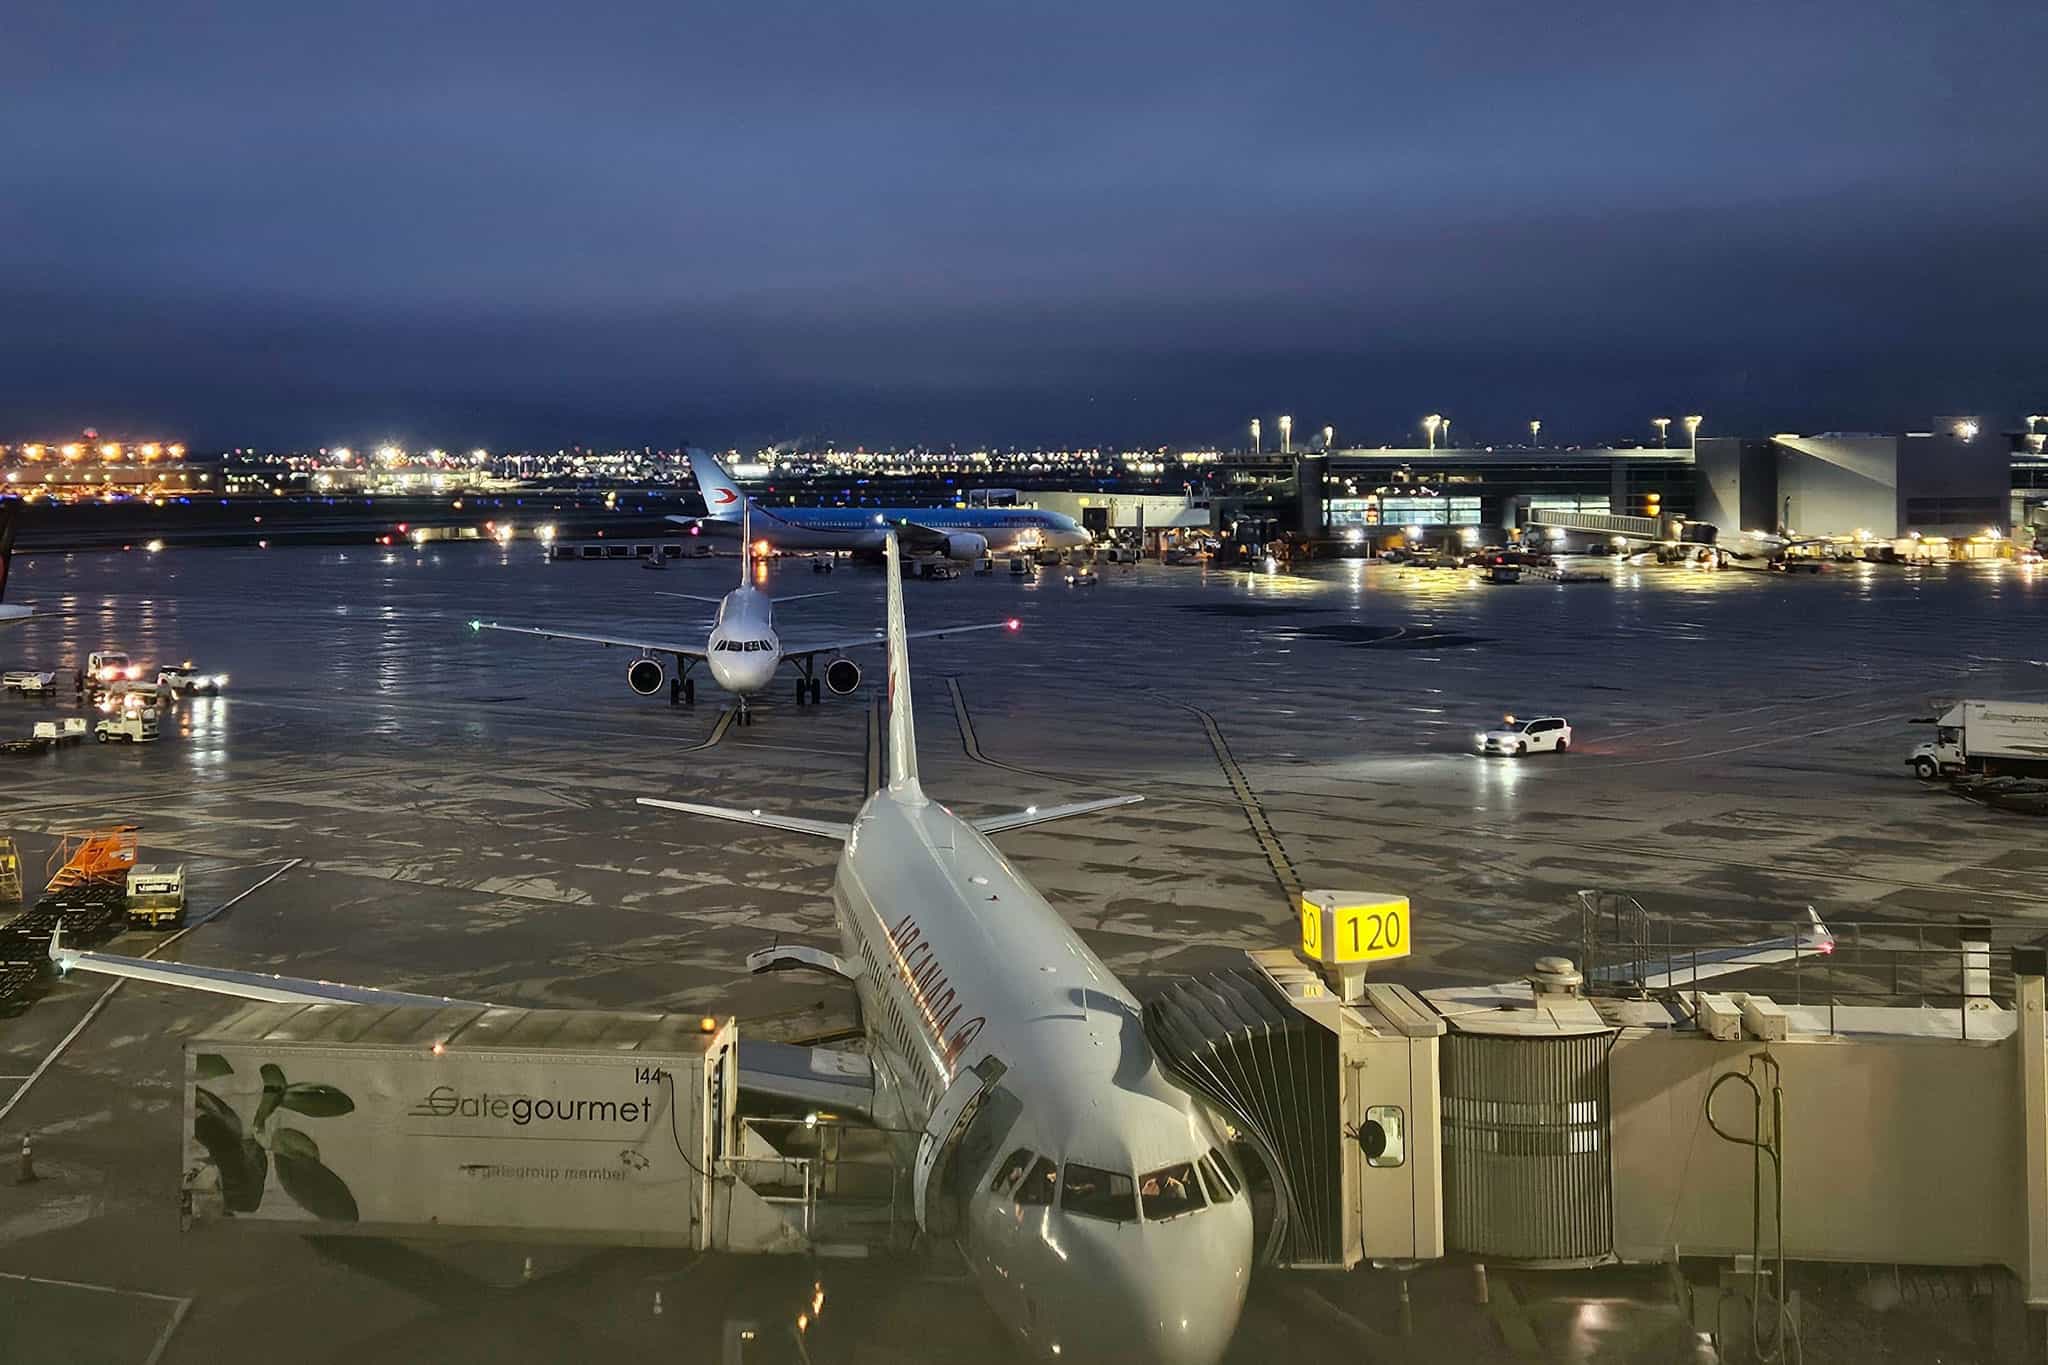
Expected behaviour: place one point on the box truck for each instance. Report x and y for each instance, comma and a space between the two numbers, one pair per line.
1996, 737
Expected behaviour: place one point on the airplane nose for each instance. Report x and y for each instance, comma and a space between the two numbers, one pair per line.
1173, 1298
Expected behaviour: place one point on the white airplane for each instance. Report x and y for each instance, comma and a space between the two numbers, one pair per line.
9, 615
955, 532
742, 650
1095, 1202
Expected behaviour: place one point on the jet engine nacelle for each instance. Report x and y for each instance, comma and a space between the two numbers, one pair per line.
965, 545
644, 676
842, 676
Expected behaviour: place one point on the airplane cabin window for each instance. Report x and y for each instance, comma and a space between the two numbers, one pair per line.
1096, 1193
1170, 1192
1229, 1186
1039, 1185
1011, 1171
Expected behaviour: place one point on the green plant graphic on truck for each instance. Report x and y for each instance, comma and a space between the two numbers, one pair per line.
246, 1157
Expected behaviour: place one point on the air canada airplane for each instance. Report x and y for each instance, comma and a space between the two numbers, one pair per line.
9, 615
1096, 1203
955, 532
743, 650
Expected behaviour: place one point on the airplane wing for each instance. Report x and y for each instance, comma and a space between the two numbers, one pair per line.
916, 537
802, 597
1038, 815
876, 637
842, 1081
795, 824
649, 646
277, 990
691, 597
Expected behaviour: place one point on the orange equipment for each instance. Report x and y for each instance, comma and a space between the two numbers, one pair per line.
92, 857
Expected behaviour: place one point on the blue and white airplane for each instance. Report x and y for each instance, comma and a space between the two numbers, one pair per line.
965, 533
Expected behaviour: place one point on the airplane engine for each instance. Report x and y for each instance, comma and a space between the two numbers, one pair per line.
966, 545
842, 676
644, 676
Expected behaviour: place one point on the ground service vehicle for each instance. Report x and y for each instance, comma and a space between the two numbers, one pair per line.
131, 721
1518, 737
2008, 737
186, 677
156, 894
111, 665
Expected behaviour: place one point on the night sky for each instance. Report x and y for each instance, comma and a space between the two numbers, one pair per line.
520, 223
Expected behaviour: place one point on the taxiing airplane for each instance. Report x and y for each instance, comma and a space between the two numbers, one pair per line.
1096, 1202
9, 615
743, 651
964, 533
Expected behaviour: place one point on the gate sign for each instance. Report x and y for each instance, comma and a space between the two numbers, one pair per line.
1339, 928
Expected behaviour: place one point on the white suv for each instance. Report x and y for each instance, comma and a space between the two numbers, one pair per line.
1516, 738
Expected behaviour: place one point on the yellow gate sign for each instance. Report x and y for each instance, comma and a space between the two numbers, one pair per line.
1339, 928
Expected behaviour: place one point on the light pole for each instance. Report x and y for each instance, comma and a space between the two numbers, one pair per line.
1447, 433
1692, 430
2031, 421
1257, 447
1663, 425
1535, 429
1329, 438
1429, 425
1286, 435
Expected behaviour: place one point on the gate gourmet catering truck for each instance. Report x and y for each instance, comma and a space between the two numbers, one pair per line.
1996, 737
579, 1125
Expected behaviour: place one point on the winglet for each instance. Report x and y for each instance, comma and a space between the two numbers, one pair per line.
902, 725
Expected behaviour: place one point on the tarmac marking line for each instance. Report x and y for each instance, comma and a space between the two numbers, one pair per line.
1254, 811
179, 1306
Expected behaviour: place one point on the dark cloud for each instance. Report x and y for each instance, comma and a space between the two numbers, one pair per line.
519, 222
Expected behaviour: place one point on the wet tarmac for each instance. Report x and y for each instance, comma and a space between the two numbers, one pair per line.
460, 809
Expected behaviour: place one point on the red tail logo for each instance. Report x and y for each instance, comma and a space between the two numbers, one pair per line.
725, 496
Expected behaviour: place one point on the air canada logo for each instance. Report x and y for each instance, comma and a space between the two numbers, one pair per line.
939, 1007
726, 495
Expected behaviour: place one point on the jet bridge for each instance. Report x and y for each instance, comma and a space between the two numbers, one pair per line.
1333, 1085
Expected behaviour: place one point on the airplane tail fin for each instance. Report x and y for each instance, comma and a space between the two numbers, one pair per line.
902, 725
746, 542
7, 516
723, 500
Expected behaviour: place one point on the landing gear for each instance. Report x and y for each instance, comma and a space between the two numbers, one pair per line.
744, 715
682, 689
807, 685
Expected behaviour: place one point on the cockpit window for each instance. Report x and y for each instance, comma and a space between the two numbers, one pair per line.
1096, 1193
1170, 1191
1011, 1171
1039, 1185
1222, 1180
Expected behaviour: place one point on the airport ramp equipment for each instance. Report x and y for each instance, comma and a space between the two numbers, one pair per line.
1339, 1101
91, 857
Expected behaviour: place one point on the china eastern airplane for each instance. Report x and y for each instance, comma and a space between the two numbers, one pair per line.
1096, 1203
964, 533
9, 615
743, 651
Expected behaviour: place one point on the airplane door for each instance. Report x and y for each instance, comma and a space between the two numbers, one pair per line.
941, 1138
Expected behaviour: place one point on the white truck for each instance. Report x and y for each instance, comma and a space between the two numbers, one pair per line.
128, 719
1997, 737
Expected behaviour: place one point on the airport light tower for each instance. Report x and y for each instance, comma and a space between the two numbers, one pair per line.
1429, 426
1329, 438
1535, 429
1663, 425
1257, 447
1692, 430
1286, 435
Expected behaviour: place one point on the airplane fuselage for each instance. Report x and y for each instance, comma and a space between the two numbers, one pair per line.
743, 650
13, 616
862, 528
959, 959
